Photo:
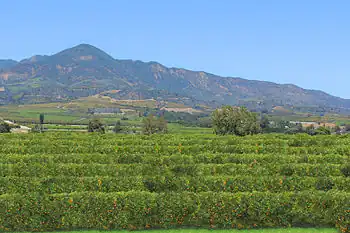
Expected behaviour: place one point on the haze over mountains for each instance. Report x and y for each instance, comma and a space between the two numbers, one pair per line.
86, 70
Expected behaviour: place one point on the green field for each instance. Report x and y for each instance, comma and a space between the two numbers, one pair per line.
70, 181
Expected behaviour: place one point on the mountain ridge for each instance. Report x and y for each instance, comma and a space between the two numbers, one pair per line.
86, 70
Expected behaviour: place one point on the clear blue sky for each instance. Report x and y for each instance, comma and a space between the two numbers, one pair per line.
304, 42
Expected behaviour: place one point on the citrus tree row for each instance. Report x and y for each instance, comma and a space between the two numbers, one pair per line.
178, 158
115, 170
239, 183
142, 210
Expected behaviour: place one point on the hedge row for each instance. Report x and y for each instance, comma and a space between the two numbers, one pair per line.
171, 139
159, 158
56, 147
142, 210
160, 184
53, 169
170, 144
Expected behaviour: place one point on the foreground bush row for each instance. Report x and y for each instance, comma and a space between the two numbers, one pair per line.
178, 158
142, 210
106, 148
115, 170
234, 184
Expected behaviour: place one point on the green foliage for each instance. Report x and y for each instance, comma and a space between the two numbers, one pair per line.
264, 123
322, 131
149, 125
152, 124
346, 170
162, 125
41, 118
236, 121
324, 184
74, 181
117, 127
96, 125
310, 130
5, 128
36, 129
143, 210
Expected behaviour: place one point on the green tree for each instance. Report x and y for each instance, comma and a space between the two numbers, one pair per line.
264, 122
152, 124
149, 125
117, 127
323, 131
162, 125
96, 125
235, 120
5, 128
282, 124
310, 130
41, 119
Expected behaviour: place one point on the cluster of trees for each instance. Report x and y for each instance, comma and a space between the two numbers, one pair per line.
5, 128
241, 122
95, 125
292, 128
182, 118
226, 120
153, 124
235, 120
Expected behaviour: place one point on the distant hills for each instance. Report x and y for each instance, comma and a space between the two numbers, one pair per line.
85, 70
6, 64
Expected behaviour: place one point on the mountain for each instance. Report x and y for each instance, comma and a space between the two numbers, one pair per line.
6, 64
85, 70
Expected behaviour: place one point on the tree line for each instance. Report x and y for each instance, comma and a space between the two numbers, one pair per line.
225, 120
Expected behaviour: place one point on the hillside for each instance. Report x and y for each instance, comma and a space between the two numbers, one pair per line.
85, 70
6, 64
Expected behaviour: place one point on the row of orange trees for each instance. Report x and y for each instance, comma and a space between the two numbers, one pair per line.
70, 181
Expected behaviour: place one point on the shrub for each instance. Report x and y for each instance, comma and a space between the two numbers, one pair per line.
346, 170
117, 127
142, 210
324, 184
5, 128
287, 170
36, 129
96, 125
322, 131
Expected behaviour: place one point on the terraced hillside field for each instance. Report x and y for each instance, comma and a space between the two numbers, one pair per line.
73, 181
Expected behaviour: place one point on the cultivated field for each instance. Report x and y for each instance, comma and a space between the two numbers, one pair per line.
74, 181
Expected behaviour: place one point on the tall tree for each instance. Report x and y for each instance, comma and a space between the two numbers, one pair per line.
149, 125
235, 120
162, 126
264, 122
5, 128
41, 119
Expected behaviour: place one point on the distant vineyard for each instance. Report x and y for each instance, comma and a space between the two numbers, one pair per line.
71, 181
